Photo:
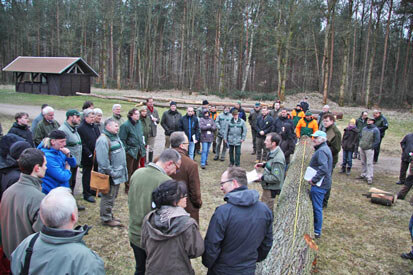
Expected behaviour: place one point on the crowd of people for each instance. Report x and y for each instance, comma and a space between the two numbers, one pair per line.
39, 165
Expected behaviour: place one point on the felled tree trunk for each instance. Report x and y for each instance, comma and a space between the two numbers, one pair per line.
293, 250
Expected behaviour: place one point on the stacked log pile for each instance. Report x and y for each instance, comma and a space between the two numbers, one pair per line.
293, 250
382, 197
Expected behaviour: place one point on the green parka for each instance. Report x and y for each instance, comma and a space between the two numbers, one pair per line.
235, 132
334, 142
43, 129
274, 170
73, 141
131, 135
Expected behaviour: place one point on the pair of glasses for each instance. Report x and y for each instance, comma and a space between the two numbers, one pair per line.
223, 182
177, 167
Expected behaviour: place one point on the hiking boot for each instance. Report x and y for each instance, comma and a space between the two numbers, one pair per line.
216, 158
317, 235
253, 153
222, 159
369, 182
348, 171
112, 223
89, 199
407, 256
361, 178
343, 169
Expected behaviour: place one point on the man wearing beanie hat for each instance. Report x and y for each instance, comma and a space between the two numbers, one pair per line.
170, 122
306, 126
11, 175
349, 143
59, 161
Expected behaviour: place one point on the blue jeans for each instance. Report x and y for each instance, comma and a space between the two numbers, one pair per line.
317, 197
191, 149
347, 158
411, 227
205, 151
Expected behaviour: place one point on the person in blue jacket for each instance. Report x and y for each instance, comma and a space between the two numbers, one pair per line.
59, 161
322, 162
240, 232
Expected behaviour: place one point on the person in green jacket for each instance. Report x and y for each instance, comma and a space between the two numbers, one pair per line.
58, 248
146, 125
20, 203
272, 179
46, 125
234, 135
131, 135
143, 182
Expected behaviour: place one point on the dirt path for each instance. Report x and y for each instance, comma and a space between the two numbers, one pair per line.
387, 164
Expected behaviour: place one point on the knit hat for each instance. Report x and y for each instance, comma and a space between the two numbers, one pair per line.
57, 134
172, 103
308, 113
352, 121
17, 149
72, 112
205, 102
257, 104
235, 112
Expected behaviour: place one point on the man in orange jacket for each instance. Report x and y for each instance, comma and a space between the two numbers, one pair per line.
306, 126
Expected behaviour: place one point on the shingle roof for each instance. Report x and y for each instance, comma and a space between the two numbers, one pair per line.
51, 65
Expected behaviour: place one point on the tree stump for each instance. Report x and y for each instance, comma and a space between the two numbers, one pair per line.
293, 250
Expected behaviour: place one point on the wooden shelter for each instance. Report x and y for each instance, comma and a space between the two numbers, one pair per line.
51, 75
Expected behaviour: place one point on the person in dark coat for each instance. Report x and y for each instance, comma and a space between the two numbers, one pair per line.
11, 175
241, 112
285, 128
264, 126
407, 148
189, 124
207, 127
89, 133
240, 232
188, 173
304, 104
21, 127
382, 125
5, 143
349, 143
252, 119
170, 122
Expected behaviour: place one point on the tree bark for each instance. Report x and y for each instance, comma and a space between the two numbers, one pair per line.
383, 65
345, 55
366, 54
291, 252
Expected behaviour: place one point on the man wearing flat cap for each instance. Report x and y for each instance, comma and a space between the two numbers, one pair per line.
73, 141
170, 122
59, 161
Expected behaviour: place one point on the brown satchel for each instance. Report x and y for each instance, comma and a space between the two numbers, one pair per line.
98, 181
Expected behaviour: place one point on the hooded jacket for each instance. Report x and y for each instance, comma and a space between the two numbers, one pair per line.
56, 174
58, 251
322, 162
239, 234
170, 238
22, 131
350, 138
170, 121
19, 212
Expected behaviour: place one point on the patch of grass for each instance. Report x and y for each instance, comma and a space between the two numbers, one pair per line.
6, 122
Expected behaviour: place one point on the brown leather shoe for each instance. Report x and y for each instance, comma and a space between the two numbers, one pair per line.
112, 223
116, 219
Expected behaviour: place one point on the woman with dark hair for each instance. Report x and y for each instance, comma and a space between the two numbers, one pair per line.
170, 236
